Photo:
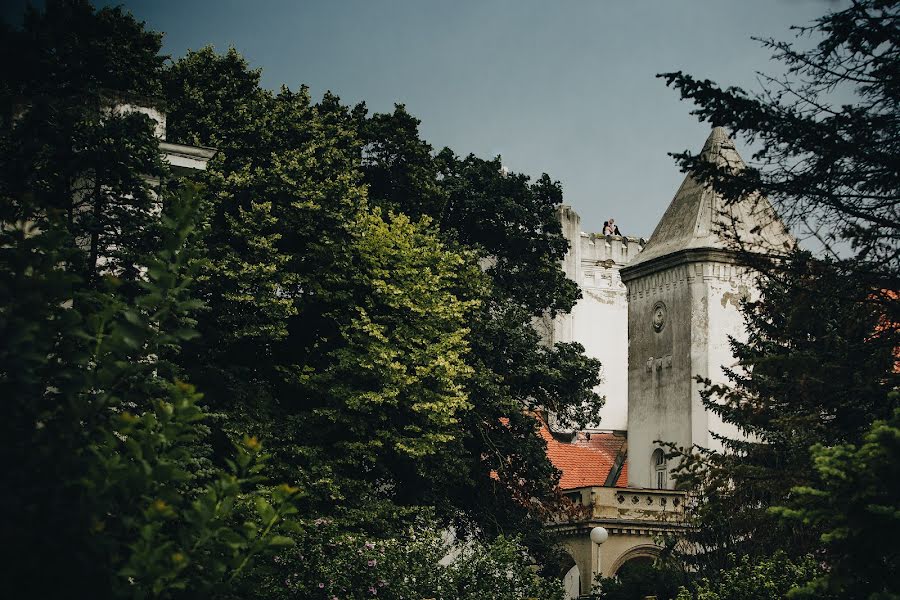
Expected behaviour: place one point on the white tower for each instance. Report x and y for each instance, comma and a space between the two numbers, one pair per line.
684, 293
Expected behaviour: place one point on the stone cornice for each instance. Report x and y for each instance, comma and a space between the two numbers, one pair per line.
682, 257
619, 526
199, 152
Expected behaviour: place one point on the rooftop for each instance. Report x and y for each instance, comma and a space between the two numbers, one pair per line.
589, 459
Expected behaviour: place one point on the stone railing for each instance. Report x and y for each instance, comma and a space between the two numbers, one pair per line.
628, 505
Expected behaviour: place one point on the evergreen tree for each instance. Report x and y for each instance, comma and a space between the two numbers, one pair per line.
69, 146
816, 369
820, 360
852, 501
826, 130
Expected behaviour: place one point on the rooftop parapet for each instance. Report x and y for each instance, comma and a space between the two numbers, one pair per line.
619, 249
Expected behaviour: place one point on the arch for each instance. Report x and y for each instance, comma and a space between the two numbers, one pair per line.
570, 574
647, 551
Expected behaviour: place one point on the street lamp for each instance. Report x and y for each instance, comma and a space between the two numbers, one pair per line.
599, 535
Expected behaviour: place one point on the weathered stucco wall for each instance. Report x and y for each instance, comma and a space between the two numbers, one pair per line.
659, 365
599, 321
680, 319
726, 286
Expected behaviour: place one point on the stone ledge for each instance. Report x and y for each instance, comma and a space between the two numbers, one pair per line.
682, 257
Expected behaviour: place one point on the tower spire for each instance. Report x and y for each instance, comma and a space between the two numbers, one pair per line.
700, 218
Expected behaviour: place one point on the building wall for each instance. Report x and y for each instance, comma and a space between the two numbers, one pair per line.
599, 320
649, 377
660, 364
701, 302
606, 559
633, 519
726, 285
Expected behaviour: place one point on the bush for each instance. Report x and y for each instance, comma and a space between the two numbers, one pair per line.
762, 579
328, 564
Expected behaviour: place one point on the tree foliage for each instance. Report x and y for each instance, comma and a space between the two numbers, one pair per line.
69, 146
817, 368
748, 578
819, 364
511, 225
369, 317
380, 355
853, 503
329, 563
661, 578
102, 440
827, 131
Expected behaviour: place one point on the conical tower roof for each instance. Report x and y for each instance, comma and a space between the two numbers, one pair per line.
700, 219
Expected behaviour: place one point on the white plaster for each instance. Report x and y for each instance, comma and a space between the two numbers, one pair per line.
154, 113
599, 321
572, 583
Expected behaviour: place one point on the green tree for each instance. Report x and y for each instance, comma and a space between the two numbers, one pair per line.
103, 495
512, 226
826, 132
776, 576
66, 140
661, 578
101, 443
819, 363
338, 332
328, 562
853, 503
817, 367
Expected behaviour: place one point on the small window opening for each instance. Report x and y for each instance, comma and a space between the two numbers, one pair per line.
659, 469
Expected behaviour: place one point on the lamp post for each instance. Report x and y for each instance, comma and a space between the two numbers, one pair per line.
598, 536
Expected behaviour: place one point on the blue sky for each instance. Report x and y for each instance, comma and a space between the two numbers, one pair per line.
565, 88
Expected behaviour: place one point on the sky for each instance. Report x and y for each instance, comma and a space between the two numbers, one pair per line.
566, 88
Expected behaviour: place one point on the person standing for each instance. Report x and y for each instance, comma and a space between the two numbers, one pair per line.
610, 227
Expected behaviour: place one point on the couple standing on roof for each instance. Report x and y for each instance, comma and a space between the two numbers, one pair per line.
610, 227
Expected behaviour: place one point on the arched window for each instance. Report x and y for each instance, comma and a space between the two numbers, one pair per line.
659, 468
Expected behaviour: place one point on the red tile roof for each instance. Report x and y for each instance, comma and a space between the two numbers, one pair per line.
587, 460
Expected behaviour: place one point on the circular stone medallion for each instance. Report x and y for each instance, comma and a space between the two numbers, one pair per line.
659, 316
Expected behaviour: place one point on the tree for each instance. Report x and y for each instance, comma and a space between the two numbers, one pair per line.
101, 441
291, 245
69, 144
827, 132
337, 331
102, 486
329, 562
817, 367
853, 503
661, 578
820, 360
511, 225
776, 576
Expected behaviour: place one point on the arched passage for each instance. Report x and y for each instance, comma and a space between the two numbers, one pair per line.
570, 574
642, 572
639, 555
